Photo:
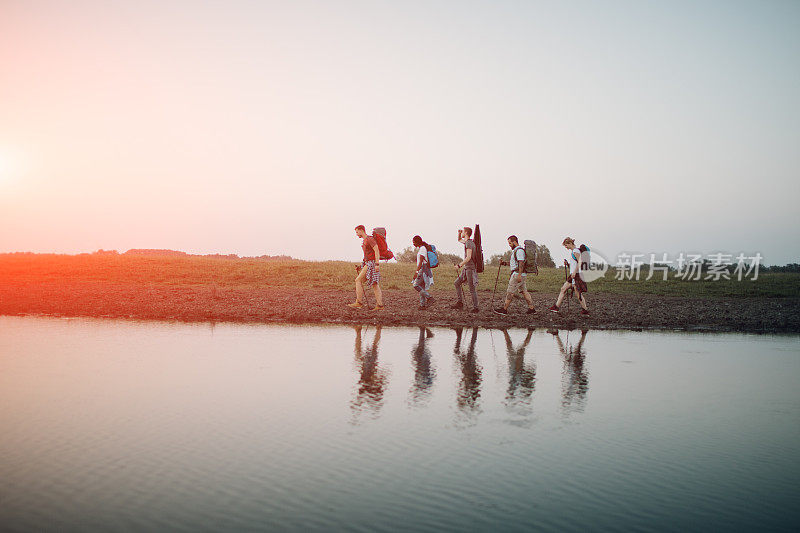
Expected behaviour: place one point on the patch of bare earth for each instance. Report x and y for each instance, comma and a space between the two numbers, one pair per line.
158, 302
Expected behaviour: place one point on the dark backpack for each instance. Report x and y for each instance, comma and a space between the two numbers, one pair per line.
530, 258
433, 257
379, 234
478, 255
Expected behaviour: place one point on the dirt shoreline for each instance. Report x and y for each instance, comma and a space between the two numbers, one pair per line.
314, 306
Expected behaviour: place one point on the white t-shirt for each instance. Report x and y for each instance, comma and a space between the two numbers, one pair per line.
423, 253
573, 260
517, 256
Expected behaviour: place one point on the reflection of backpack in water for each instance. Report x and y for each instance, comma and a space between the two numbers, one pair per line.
530, 258
585, 258
433, 257
379, 234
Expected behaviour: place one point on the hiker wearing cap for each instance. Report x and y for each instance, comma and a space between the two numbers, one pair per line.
370, 271
573, 279
518, 280
469, 274
423, 275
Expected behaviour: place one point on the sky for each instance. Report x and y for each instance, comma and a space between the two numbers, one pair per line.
254, 127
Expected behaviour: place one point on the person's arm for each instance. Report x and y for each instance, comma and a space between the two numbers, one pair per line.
520, 264
419, 267
377, 257
567, 271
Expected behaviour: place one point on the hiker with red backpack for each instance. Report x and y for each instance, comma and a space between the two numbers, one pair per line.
573, 278
518, 282
370, 271
427, 258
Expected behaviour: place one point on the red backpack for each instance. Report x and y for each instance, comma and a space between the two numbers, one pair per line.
379, 234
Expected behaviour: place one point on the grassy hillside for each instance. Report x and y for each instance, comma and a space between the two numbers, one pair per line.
244, 273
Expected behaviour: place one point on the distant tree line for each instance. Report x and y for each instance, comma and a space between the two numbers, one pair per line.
791, 267
177, 253
706, 264
543, 259
409, 255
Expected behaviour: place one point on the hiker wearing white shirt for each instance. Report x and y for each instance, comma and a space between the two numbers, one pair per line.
573, 279
518, 280
423, 275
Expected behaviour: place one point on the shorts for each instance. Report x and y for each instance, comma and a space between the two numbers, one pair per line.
373, 276
517, 284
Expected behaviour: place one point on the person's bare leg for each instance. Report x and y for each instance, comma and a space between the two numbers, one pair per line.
376, 288
527, 296
362, 275
564, 288
582, 300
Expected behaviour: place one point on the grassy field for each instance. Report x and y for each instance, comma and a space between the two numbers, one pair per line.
254, 273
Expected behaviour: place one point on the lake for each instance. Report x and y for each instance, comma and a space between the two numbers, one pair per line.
125, 425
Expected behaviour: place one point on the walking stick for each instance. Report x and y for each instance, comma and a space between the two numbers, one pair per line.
566, 277
491, 305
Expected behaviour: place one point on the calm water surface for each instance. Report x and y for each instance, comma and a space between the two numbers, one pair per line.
111, 426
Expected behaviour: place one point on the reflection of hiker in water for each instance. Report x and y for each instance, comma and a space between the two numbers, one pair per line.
423, 371
469, 388
574, 376
372, 379
521, 377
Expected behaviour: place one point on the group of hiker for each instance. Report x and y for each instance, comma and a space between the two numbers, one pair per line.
520, 263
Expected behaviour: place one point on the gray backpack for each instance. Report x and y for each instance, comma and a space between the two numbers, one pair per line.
530, 258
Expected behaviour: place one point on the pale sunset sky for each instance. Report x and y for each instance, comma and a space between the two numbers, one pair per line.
255, 127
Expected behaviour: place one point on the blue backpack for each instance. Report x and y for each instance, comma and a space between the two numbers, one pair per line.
433, 257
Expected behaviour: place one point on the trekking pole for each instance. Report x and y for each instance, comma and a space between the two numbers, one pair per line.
491, 305
566, 277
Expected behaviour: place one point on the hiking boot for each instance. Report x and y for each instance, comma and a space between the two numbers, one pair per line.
530, 311
378, 308
356, 305
553, 308
584, 312
457, 305
475, 310
501, 311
